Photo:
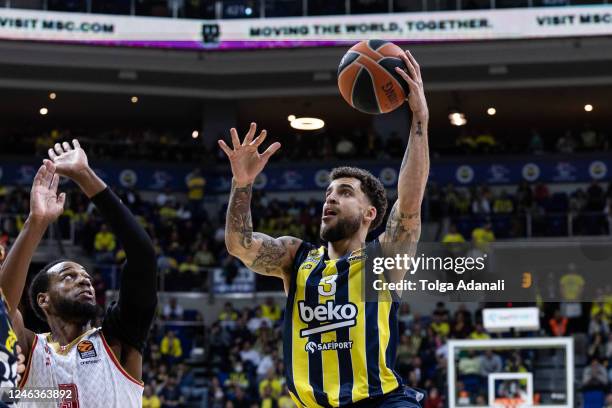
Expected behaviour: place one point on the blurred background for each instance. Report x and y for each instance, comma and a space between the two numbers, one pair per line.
520, 142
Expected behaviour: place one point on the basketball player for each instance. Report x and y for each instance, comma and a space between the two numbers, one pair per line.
94, 367
11, 358
339, 350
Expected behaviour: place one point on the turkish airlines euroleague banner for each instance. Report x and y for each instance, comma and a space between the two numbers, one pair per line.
305, 31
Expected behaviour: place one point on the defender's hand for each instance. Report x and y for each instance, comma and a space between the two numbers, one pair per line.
20, 364
244, 158
45, 204
70, 161
416, 99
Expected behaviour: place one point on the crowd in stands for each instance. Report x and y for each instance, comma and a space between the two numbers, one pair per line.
177, 145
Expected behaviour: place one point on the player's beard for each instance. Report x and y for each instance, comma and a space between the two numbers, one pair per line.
75, 311
344, 228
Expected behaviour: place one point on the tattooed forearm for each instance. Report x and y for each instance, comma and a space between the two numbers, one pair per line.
403, 227
239, 225
419, 129
270, 257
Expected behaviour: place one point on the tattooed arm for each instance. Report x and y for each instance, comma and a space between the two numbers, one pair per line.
404, 223
261, 253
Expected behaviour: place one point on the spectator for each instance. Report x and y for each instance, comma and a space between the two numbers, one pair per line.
237, 379
541, 193
590, 138
99, 287
270, 310
558, 324
434, 399
104, 244
256, 322
599, 325
503, 203
490, 363
478, 333
149, 399
250, 355
171, 348
453, 236
470, 364
285, 401
405, 318
566, 143
597, 349
204, 257
170, 396
536, 144
172, 310
440, 326
228, 316
195, 184
483, 236
481, 204
273, 383
594, 376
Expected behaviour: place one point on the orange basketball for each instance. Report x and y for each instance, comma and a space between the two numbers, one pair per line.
367, 77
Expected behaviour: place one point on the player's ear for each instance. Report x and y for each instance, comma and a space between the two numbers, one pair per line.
42, 299
370, 214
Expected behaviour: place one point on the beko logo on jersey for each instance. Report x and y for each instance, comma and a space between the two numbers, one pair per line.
330, 315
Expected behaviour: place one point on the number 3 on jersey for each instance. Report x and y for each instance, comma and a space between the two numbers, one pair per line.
71, 396
327, 285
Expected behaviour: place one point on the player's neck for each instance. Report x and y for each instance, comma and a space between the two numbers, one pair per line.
64, 332
342, 247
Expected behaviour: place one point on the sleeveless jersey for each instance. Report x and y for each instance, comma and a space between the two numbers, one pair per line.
338, 348
88, 367
8, 352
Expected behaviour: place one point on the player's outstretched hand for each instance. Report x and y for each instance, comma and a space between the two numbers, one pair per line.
20, 364
45, 204
70, 161
244, 157
416, 99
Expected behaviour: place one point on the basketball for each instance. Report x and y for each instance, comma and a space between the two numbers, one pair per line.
367, 77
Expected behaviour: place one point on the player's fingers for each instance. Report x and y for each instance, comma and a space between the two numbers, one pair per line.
58, 149
235, 138
224, 147
411, 70
250, 134
52, 154
54, 183
66, 146
411, 82
61, 199
415, 64
271, 150
39, 177
259, 139
76, 143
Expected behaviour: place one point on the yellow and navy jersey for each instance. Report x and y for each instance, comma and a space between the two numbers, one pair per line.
338, 348
8, 351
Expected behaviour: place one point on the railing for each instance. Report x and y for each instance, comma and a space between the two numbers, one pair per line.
275, 8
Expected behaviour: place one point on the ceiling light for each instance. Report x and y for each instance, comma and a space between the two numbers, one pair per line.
588, 107
457, 119
491, 111
52, 95
134, 99
195, 134
43, 111
291, 118
307, 123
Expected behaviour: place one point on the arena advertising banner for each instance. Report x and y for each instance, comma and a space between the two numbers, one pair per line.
315, 177
137, 31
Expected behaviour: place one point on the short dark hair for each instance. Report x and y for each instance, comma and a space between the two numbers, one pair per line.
40, 284
371, 186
